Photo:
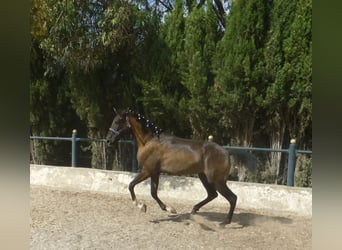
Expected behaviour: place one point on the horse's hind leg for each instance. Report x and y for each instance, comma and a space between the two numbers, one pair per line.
154, 189
230, 196
212, 194
139, 178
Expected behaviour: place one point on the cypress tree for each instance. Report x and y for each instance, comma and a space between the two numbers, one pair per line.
287, 101
239, 67
200, 38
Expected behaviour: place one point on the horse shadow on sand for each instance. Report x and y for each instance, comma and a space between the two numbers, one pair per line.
211, 221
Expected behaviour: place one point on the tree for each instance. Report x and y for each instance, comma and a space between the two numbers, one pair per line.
51, 112
281, 17
239, 68
287, 101
161, 80
201, 34
87, 50
298, 61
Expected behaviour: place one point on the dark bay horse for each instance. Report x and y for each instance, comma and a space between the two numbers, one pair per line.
160, 153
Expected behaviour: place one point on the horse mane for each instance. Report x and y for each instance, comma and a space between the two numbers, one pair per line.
146, 123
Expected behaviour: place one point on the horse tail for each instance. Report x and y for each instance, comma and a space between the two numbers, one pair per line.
243, 157
242, 162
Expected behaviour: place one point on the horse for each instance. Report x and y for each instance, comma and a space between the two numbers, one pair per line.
159, 153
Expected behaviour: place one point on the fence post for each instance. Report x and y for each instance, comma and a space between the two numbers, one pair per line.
73, 148
291, 163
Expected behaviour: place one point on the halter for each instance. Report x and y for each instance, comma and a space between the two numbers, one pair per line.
114, 131
118, 132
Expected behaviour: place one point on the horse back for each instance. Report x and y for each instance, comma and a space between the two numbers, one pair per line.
178, 156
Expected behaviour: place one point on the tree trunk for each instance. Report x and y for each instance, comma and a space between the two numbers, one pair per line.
276, 142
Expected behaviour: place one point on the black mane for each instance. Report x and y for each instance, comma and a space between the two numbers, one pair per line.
146, 123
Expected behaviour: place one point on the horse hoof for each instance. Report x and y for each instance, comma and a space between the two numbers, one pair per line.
171, 210
142, 207
194, 211
224, 223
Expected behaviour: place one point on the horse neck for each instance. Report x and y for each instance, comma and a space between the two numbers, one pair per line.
141, 137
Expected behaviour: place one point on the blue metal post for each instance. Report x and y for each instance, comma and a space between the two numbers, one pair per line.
291, 163
73, 148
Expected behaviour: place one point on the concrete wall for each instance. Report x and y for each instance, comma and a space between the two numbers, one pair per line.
292, 200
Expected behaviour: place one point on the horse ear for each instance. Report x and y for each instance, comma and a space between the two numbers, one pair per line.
116, 112
129, 111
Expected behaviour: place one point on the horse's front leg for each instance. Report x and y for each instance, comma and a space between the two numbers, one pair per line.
154, 189
139, 178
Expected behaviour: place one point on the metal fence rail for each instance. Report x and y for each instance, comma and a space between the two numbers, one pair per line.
74, 140
291, 151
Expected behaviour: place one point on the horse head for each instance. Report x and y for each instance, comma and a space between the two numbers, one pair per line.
125, 120
119, 127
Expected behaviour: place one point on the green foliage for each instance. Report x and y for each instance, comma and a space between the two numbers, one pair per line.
303, 173
289, 69
240, 67
193, 72
159, 79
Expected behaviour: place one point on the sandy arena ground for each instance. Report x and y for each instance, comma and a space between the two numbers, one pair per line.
71, 219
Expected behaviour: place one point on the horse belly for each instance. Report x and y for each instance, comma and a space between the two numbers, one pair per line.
182, 162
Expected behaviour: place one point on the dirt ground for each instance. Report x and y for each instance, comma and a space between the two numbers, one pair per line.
71, 219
